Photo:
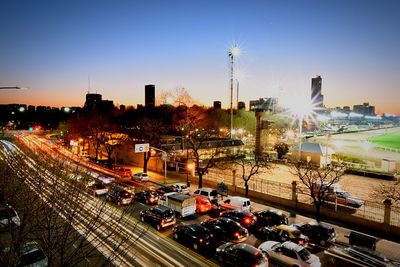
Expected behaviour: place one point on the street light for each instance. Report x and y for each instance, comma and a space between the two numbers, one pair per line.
233, 53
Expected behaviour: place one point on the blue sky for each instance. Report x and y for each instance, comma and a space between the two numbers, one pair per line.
53, 46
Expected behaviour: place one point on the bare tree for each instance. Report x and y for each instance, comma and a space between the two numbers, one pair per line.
384, 191
316, 181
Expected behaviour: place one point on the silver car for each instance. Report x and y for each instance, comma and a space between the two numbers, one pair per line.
289, 254
141, 177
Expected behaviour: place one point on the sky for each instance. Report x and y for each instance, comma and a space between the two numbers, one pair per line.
52, 47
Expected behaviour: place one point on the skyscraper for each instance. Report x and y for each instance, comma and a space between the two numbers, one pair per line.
316, 97
149, 96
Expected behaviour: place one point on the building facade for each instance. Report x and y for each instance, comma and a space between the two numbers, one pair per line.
150, 96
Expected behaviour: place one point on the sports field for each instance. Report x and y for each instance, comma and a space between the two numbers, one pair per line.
387, 140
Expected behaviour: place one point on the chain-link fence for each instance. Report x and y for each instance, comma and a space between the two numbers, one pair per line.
372, 211
395, 216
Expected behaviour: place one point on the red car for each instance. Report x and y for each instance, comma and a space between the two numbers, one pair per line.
202, 204
125, 172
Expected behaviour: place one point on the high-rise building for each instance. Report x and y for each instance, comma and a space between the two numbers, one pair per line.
93, 102
217, 105
316, 96
364, 109
150, 96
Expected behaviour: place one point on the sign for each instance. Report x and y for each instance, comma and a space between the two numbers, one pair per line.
222, 189
141, 148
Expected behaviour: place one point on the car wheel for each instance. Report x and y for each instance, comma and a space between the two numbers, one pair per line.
142, 218
195, 246
176, 236
158, 227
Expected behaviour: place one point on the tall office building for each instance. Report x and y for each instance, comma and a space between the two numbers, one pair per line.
316, 97
150, 96
93, 102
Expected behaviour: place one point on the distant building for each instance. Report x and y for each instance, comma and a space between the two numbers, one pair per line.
150, 96
346, 109
122, 108
267, 104
241, 105
31, 108
92, 103
316, 96
217, 105
364, 109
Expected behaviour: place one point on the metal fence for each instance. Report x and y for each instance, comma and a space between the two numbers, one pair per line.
372, 211
395, 216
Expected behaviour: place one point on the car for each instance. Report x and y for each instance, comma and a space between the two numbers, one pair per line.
289, 254
125, 172
166, 189
124, 186
140, 177
147, 196
240, 255
235, 203
195, 235
159, 216
97, 189
31, 255
245, 218
318, 233
182, 188
225, 229
9, 218
270, 218
105, 179
335, 194
203, 204
207, 192
119, 196
282, 233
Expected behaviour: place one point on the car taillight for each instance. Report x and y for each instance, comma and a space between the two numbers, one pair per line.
247, 221
237, 234
201, 240
151, 199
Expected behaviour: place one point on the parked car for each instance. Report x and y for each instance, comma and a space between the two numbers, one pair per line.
105, 179
318, 233
209, 193
140, 177
97, 189
147, 196
195, 235
166, 189
31, 255
335, 194
270, 218
289, 254
125, 172
119, 196
182, 188
203, 204
183, 205
9, 218
224, 229
235, 203
244, 217
282, 233
240, 255
124, 186
159, 216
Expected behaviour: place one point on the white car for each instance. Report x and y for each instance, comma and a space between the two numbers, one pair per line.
182, 188
235, 203
105, 179
207, 192
141, 177
289, 254
8, 218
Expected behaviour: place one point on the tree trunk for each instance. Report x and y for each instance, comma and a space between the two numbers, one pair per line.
200, 179
246, 186
318, 212
146, 158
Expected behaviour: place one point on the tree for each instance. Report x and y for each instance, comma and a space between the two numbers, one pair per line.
281, 148
316, 181
384, 191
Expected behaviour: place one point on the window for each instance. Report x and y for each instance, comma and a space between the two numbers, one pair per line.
289, 253
203, 193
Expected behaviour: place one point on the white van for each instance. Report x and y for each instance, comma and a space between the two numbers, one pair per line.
207, 192
235, 203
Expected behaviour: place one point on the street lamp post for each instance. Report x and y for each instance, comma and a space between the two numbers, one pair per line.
232, 53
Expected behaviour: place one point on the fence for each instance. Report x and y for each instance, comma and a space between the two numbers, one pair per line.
395, 216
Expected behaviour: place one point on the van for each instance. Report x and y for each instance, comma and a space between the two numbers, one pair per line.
207, 192
235, 203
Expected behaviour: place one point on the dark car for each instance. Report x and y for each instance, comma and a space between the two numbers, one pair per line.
119, 196
240, 255
147, 196
159, 216
166, 189
245, 218
195, 235
270, 218
281, 234
318, 233
224, 229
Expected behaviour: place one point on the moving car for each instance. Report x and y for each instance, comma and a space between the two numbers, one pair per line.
147, 196
207, 192
159, 216
140, 177
203, 204
224, 229
183, 205
119, 196
270, 218
289, 254
125, 172
240, 255
195, 235
97, 189
105, 179
282, 233
181, 188
9, 218
166, 189
318, 233
245, 218
235, 203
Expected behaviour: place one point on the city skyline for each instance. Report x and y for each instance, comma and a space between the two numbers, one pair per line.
52, 48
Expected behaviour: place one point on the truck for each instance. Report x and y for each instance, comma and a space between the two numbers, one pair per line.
183, 205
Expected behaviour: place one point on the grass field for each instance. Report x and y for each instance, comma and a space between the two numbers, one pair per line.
388, 140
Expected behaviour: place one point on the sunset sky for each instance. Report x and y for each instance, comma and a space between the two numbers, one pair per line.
52, 47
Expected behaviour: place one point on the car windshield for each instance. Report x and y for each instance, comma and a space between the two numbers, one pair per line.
304, 254
7, 213
232, 226
99, 186
213, 193
168, 213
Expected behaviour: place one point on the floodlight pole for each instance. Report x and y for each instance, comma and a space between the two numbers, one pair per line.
231, 80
